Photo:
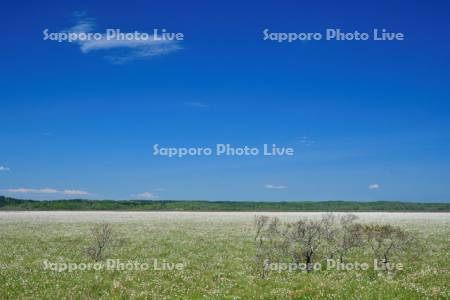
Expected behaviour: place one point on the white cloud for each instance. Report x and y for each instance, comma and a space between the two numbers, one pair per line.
306, 141
20, 190
119, 51
46, 191
146, 195
75, 192
197, 104
33, 191
105, 44
275, 187
4, 169
83, 23
374, 186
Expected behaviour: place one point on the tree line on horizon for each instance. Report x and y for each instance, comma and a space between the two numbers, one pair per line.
7, 203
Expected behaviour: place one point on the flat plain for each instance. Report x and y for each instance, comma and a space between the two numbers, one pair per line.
217, 251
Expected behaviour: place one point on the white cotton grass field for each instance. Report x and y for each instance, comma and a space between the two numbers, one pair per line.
217, 250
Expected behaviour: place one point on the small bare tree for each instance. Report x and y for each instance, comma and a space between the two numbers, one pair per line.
305, 238
330, 233
259, 225
269, 241
350, 235
347, 219
101, 238
261, 243
386, 241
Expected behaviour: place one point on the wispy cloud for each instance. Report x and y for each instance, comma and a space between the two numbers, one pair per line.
197, 104
4, 169
32, 191
276, 187
306, 141
83, 23
119, 51
374, 186
146, 195
75, 192
47, 191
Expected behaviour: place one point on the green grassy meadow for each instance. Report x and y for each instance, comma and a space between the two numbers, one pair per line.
217, 251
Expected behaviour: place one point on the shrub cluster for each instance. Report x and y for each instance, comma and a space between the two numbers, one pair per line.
329, 237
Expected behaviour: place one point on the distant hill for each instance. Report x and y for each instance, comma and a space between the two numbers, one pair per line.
7, 203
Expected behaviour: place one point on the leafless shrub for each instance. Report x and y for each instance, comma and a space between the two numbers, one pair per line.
350, 235
305, 238
269, 241
307, 241
386, 241
347, 219
259, 225
300, 240
261, 243
101, 238
330, 232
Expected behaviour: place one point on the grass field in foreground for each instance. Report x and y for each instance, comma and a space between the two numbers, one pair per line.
217, 251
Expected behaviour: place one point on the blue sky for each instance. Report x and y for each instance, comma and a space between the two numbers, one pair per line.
368, 120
